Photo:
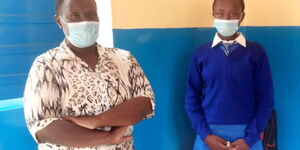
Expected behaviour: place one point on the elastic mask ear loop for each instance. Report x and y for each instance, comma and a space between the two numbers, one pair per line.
63, 21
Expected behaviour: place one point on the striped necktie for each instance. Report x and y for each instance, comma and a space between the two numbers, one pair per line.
227, 46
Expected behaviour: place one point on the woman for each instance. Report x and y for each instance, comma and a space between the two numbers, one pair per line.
81, 95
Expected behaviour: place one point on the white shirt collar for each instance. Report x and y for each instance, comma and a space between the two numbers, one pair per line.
240, 39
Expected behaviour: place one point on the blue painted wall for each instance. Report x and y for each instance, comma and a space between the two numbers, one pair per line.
27, 29
164, 54
14, 133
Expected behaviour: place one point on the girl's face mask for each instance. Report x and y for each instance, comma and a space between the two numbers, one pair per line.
226, 27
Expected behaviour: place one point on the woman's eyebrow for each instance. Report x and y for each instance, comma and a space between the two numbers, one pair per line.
74, 10
91, 10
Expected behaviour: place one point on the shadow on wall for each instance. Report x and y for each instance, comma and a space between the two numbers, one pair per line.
181, 63
164, 55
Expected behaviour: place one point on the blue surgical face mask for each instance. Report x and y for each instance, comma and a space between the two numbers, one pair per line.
82, 34
226, 27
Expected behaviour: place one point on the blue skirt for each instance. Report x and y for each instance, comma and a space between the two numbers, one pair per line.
229, 133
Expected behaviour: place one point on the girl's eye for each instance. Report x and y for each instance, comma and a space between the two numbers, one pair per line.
233, 14
219, 14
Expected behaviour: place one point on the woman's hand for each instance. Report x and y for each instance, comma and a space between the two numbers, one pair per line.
84, 121
118, 135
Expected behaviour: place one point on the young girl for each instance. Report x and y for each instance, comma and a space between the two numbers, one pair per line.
229, 94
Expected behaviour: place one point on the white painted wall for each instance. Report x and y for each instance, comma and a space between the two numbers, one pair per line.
105, 15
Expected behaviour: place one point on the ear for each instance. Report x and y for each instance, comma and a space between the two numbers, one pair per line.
58, 22
242, 17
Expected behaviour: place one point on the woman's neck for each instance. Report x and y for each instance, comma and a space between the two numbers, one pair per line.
83, 52
89, 55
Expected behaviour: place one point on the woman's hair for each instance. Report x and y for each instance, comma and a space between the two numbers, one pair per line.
241, 1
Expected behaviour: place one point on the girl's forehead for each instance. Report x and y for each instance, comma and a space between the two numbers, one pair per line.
229, 5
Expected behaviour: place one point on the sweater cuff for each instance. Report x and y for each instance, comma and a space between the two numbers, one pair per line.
251, 140
204, 133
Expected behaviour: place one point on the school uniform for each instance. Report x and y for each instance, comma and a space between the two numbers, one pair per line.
229, 91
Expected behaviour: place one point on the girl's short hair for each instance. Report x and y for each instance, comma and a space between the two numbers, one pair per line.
242, 2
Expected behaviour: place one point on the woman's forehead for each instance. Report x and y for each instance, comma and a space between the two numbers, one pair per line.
78, 6
71, 5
